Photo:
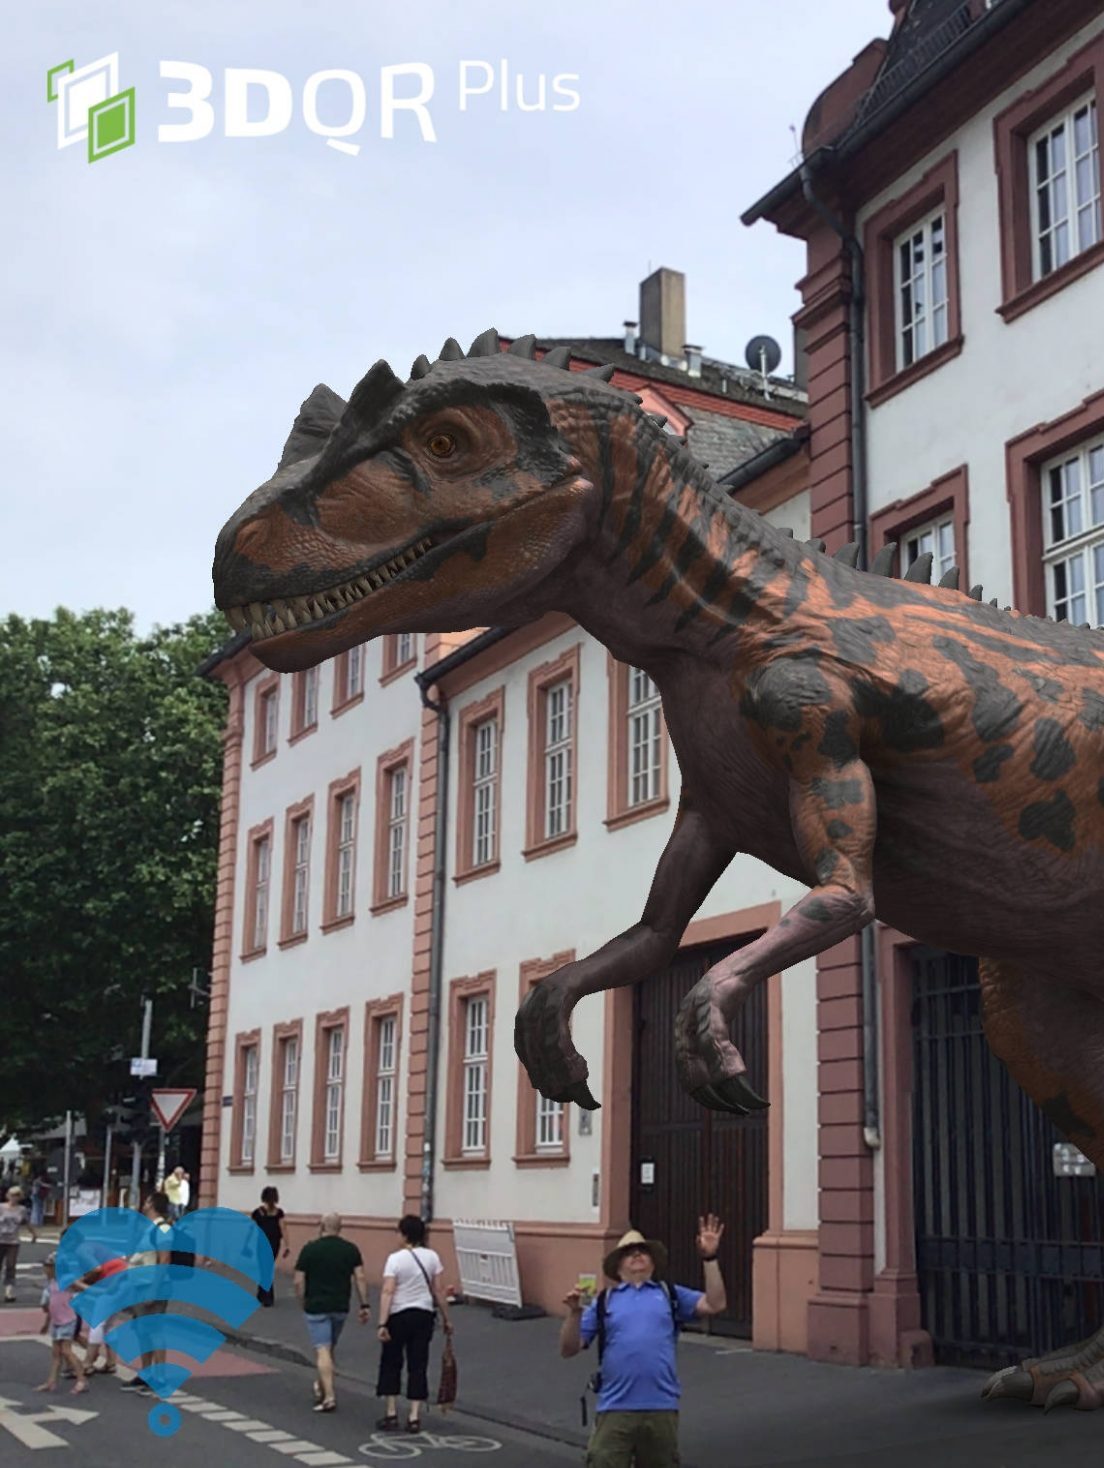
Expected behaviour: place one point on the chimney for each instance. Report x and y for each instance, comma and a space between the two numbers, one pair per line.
630, 338
693, 356
801, 359
663, 312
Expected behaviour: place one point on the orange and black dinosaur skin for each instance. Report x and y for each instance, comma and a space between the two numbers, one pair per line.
903, 749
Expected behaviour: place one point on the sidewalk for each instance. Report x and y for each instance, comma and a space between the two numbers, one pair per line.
740, 1408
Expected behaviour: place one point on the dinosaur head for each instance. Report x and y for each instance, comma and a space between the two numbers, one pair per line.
448, 502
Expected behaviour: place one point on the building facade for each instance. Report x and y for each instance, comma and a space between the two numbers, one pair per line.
419, 830
949, 199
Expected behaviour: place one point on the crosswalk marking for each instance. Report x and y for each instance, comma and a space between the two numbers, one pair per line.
271, 1435
247, 1424
324, 1459
297, 1445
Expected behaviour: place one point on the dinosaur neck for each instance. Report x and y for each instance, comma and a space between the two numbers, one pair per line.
675, 565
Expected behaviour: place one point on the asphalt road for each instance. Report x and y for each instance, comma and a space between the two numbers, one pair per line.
241, 1419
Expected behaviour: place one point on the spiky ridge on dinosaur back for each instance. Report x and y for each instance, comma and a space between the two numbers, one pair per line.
330, 437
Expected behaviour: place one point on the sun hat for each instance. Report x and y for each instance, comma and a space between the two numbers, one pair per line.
611, 1264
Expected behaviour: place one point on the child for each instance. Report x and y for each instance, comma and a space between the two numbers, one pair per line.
96, 1342
61, 1321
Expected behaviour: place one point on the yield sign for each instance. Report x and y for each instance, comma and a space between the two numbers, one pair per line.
170, 1106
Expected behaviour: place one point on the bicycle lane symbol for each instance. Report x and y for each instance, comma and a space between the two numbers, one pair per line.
383, 1447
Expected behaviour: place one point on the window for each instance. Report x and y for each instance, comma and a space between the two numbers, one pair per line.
913, 288
468, 1108
645, 728
400, 650
385, 1087
339, 901
287, 1050
257, 882
542, 1125
1064, 161
934, 521
553, 695
936, 539
475, 1075
637, 765
348, 679
921, 289
249, 1104
330, 1040
295, 906
477, 835
304, 703
289, 1095
243, 1127
393, 780
1073, 534
266, 710
379, 1119
1048, 178
335, 1059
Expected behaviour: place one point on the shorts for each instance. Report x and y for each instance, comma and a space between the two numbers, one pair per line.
96, 1333
325, 1330
63, 1332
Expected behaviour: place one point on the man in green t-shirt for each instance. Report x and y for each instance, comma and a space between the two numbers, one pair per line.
323, 1273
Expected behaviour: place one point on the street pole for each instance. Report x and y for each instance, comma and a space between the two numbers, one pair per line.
136, 1163
161, 1156
65, 1179
105, 1200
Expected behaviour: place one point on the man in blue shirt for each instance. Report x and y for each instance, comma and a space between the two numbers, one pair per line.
636, 1425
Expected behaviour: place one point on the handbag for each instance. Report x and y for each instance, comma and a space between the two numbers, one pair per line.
450, 1376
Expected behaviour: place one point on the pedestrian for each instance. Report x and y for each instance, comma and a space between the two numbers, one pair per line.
13, 1219
60, 1319
636, 1324
110, 1264
269, 1218
156, 1209
40, 1192
410, 1297
324, 1272
178, 1192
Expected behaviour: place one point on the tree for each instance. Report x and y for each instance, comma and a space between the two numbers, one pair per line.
110, 774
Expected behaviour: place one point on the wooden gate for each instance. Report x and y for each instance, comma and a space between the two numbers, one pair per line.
1010, 1258
686, 1160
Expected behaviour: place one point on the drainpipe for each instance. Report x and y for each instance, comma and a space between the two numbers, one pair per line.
871, 1110
436, 945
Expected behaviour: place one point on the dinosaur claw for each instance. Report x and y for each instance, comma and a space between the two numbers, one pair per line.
733, 1095
1013, 1381
579, 1093
1063, 1394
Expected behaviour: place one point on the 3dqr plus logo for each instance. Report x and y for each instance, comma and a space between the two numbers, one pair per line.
90, 105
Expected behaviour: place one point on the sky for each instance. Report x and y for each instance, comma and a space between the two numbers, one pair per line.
166, 308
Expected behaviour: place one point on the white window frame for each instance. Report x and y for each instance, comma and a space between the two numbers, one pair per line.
300, 878
404, 648
484, 737
1073, 532
398, 806
928, 327
936, 536
333, 1095
310, 697
558, 701
346, 854
387, 1032
474, 1076
549, 1130
354, 672
262, 873
270, 721
289, 1095
251, 1065
1073, 204
644, 736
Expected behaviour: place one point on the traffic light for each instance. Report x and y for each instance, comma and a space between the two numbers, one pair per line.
133, 1114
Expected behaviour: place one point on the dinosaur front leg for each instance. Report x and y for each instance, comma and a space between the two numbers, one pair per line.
832, 812
691, 862
1050, 1036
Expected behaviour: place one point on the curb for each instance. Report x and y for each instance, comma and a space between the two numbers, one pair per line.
481, 1413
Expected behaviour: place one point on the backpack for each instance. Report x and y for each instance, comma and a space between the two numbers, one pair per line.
594, 1382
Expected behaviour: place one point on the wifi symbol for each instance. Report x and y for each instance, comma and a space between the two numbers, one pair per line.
144, 1290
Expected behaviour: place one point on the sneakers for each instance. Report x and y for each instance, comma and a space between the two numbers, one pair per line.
136, 1384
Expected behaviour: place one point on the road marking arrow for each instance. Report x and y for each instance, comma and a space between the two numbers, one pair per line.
26, 1427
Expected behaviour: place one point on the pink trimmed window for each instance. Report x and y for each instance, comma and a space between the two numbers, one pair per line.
258, 880
295, 902
553, 715
243, 1125
327, 1132
379, 1120
1073, 533
934, 521
400, 652
266, 715
480, 785
348, 679
637, 742
339, 900
393, 797
542, 1125
304, 703
468, 1095
287, 1076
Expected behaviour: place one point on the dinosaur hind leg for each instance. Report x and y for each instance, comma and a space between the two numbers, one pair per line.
1050, 1036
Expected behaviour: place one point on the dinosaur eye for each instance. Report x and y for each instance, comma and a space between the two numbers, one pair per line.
442, 445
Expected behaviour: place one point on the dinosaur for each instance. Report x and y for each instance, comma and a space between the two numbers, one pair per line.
903, 749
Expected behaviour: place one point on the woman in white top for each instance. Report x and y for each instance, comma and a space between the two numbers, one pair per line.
410, 1296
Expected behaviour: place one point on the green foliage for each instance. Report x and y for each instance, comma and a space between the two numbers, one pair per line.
110, 773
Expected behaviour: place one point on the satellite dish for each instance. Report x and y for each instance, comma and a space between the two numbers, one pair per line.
763, 354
